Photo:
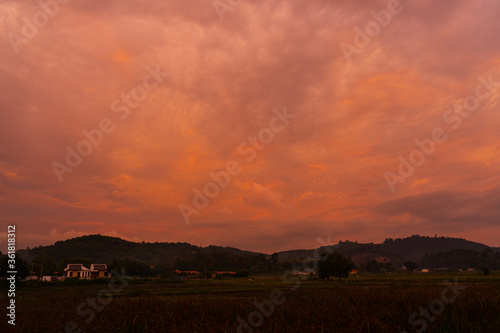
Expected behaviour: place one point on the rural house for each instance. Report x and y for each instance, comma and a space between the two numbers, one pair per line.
99, 270
82, 272
223, 274
75, 270
177, 274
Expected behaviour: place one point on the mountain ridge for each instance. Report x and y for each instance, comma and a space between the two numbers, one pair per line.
101, 248
394, 250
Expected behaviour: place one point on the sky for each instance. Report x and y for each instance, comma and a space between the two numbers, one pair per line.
262, 125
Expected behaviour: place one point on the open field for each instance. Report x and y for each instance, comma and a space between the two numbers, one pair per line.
367, 303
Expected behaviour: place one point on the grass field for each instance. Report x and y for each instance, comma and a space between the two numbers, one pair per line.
367, 303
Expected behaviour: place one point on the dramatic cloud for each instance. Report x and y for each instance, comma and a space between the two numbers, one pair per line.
159, 95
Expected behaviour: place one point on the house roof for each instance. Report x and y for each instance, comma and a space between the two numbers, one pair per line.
185, 272
75, 267
80, 267
98, 267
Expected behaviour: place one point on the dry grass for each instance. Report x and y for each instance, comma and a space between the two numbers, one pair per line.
368, 305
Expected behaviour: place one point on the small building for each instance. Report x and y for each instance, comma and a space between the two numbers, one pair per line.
186, 272
49, 278
223, 274
299, 273
76, 270
425, 270
99, 271
177, 274
354, 272
82, 272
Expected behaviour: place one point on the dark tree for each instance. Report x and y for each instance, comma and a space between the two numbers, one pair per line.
334, 265
389, 267
410, 266
134, 267
20, 265
275, 257
372, 266
43, 265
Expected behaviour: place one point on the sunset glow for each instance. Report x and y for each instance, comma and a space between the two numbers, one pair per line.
252, 127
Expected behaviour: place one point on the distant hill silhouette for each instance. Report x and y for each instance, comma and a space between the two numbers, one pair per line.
463, 259
396, 250
104, 249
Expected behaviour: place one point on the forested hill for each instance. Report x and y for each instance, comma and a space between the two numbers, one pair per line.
417, 246
103, 249
396, 250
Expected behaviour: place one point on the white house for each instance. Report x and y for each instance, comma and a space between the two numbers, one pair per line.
99, 270
75, 270
82, 272
49, 278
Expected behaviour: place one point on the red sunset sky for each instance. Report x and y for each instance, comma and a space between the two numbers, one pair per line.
321, 175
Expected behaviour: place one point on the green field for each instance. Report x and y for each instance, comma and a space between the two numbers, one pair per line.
367, 303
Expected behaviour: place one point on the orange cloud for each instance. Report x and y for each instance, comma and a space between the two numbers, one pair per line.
322, 174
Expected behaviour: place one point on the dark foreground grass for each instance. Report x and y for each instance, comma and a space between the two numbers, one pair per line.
365, 304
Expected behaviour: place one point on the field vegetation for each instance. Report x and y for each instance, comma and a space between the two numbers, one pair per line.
366, 303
